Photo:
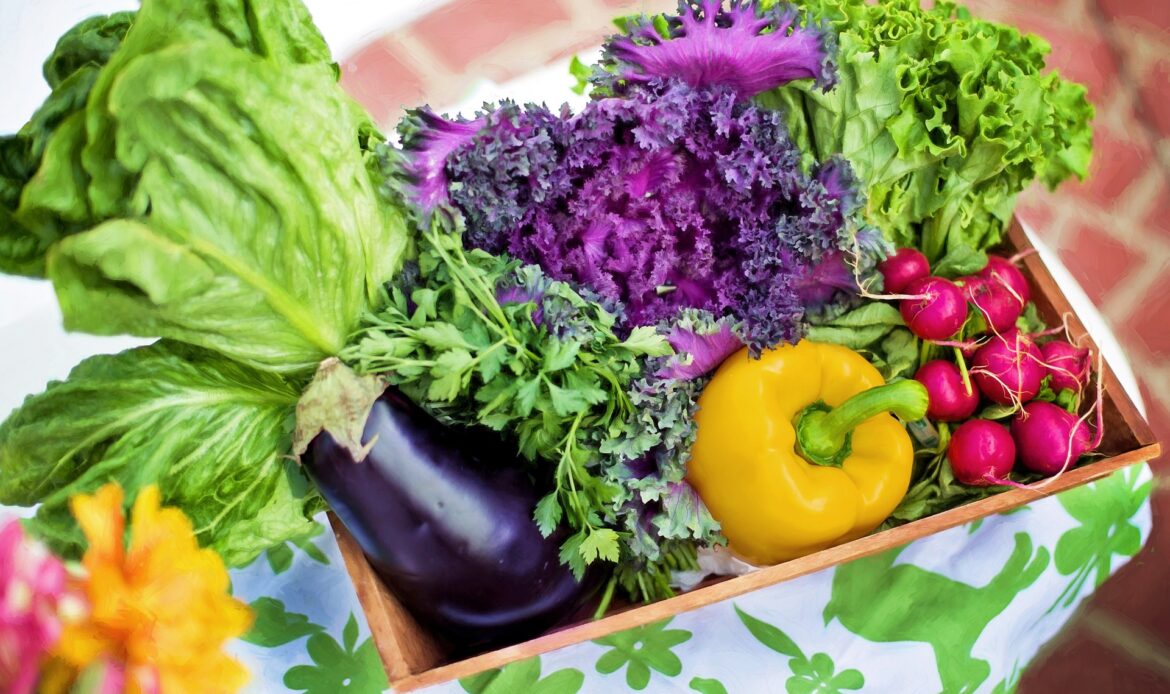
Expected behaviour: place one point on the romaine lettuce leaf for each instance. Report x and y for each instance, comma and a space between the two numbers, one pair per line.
211, 183
54, 133
262, 235
213, 434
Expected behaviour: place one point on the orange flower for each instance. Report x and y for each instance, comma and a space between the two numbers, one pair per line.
160, 607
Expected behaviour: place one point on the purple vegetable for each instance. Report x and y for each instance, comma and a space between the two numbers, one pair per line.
700, 349
746, 49
941, 311
665, 199
950, 399
1049, 438
903, 267
446, 519
1002, 272
1008, 368
1069, 366
999, 307
431, 139
981, 453
677, 193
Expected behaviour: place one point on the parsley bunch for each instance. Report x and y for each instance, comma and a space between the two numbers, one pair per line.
480, 339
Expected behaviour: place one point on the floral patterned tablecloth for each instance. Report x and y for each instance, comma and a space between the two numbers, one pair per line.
961, 611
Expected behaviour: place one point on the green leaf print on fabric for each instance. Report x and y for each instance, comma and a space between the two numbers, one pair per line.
707, 685
524, 678
641, 650
274, 626
344, 667
815, 675
1105, 510
884, 603
280, 557
974, 525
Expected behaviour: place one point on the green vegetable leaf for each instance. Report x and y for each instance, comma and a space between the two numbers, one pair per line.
39, 164
548, 514
213, 434
275, 626
158, 190
944, 117
646, 341
246, 249
600, 544
581, 73
1030, 321
961, 259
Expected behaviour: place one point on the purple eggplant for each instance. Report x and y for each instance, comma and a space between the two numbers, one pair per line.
445, 517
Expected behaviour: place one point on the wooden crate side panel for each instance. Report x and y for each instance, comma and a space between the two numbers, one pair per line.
728, 588
1125, 427
406, 648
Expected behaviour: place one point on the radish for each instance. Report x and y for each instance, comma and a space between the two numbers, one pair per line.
971, 284
981, 453
1049, 438
938, 311
995, 302
902, 268
1001, 271
1067, 364
951, 400
1008, 368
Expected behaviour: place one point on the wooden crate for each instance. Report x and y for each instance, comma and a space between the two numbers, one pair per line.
414, 659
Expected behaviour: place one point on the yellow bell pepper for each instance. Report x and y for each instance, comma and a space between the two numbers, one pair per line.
795, 451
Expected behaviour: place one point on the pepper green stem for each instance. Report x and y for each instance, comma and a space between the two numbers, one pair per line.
824, 434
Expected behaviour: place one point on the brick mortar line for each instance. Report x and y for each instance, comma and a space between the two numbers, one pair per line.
1130, 81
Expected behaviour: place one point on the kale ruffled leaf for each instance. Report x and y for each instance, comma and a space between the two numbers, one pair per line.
213, 434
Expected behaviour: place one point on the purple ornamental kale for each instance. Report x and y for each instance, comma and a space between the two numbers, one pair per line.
744, 48
701, 342
666, 197
431, 139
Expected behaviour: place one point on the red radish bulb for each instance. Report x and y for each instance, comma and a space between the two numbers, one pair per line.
981, 453
1043, 433
971, 284
1000, 271
1008, 368
1067, 364
902, 268
995, 303
941, 311
950, 401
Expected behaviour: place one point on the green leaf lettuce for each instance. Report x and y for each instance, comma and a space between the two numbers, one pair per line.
210, 432
944, 117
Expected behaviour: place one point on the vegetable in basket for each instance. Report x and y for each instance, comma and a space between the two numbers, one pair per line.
445, 517
795, 451
944, 117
